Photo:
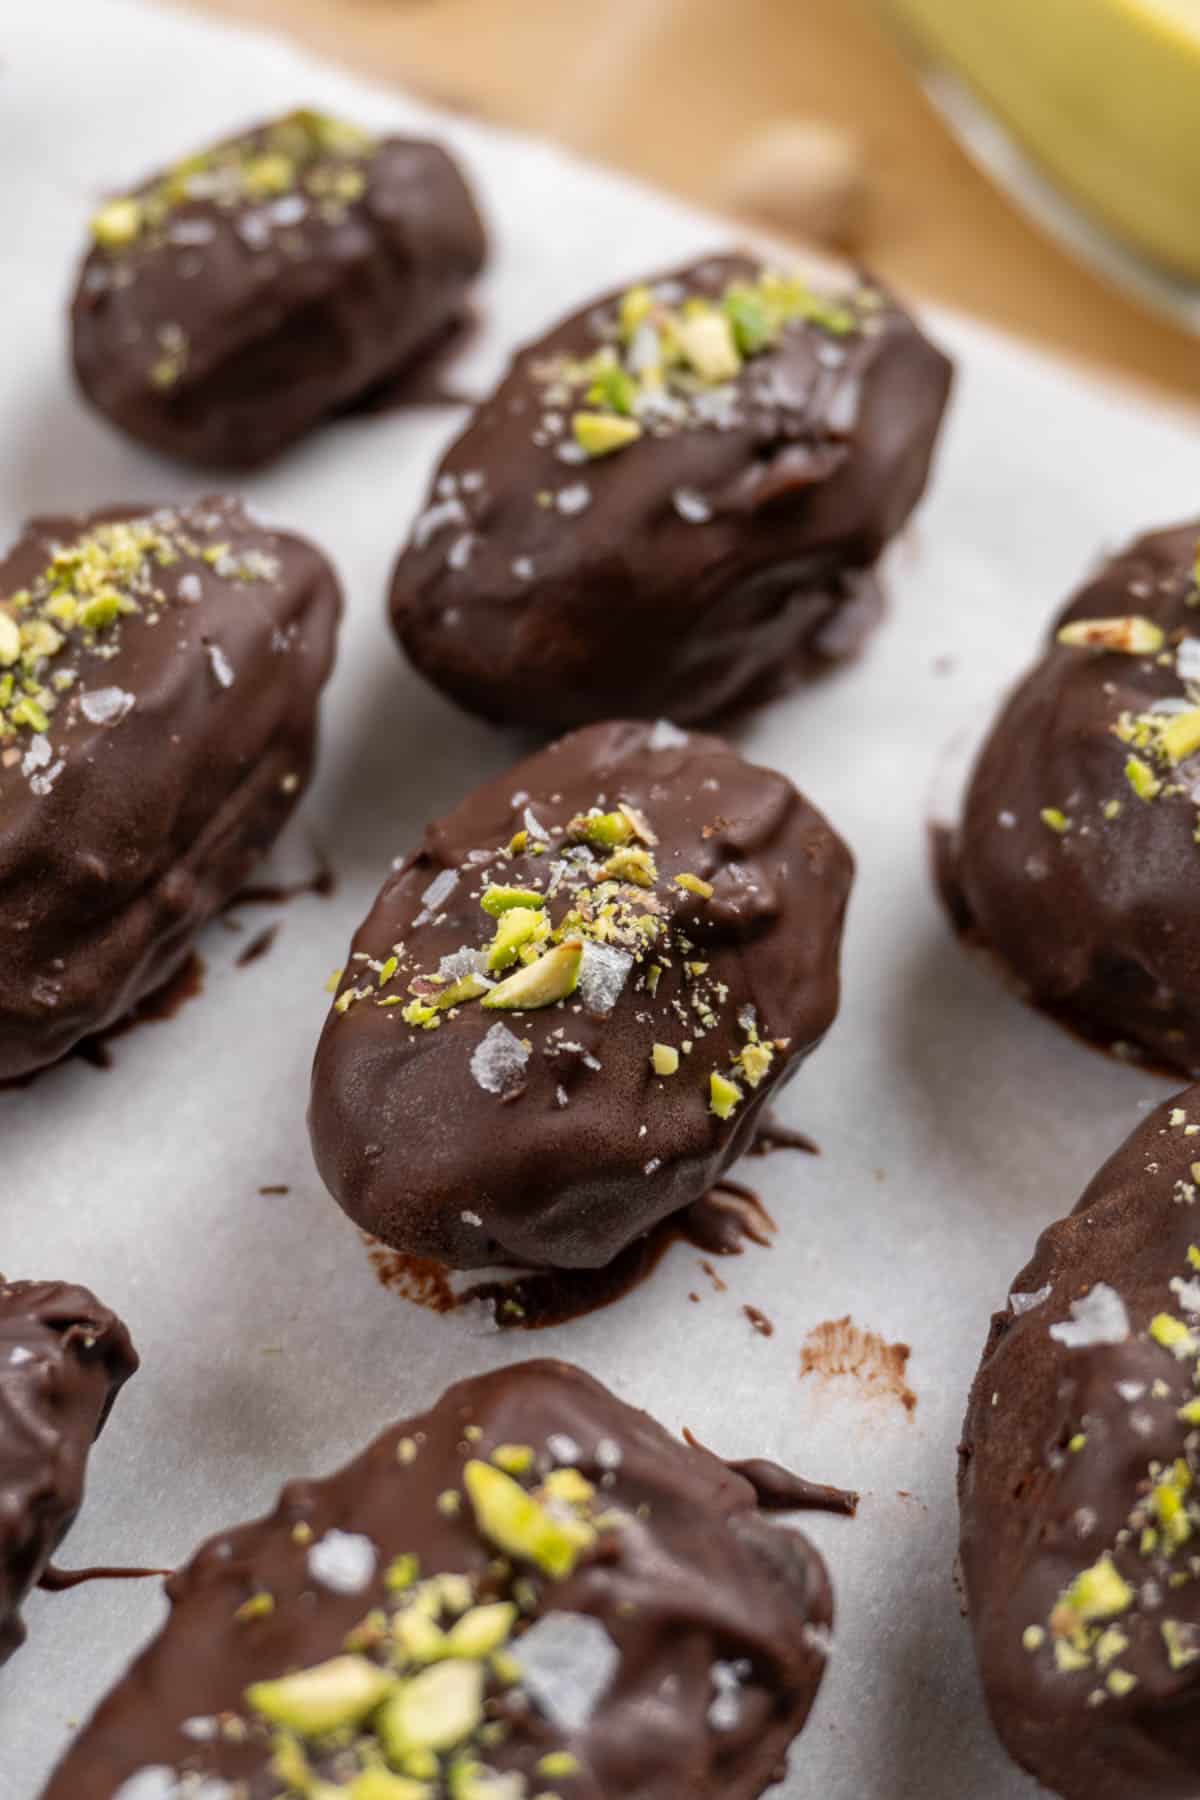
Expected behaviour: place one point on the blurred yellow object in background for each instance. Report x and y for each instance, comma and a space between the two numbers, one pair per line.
1104, 94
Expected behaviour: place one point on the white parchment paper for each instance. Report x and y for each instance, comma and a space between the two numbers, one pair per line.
953, 1123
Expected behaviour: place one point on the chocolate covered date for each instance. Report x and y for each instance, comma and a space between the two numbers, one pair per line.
531, 1590
564, 1014
1078, 855
233, 301
63, 1360
1078, 1484
674, 502
159, 679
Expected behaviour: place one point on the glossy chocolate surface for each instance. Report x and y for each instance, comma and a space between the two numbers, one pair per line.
159, 754
1078, 1484
547, 1135
232, 302
63, 1360
676, 1651
1077, 857
707, 564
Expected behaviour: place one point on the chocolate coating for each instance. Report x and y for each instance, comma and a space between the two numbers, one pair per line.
699, 567
163, 769
1082, 887
271, 281
1074, 1452
563, 1153
713, 1619
63, 1360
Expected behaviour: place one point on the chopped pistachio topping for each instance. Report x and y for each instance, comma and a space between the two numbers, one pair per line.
553, 977
671, 363
71, 614
600, 434
1142, 778
319, 1700
521, 1526
665, 1059
724, 1096
309, 154
695, 884
1056, 819
1096, 1593
1131, 635
496, 900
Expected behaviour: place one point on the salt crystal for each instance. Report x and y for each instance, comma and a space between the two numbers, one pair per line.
190, 588
654, 1163
439, 889
726, 1708
202, 1729
471, 481
1130, 1391
1023, 1303
560, 1095
461, 963
42, 784
192, 231
535, 828
459, 553
154, 1783
498, 1062
221, 666
1187, 659
571, 452
289, 209
105, 706
1098, 1318
608, 1453
37, 755
522, 568
603, 973
343, 1561
567, 1662
692, 506
666, 736
470, 1218
434, 518
1188, 1293
563, 1448
1006, 820
574, 499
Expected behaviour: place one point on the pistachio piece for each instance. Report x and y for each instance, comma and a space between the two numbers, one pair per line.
614, 387
514, 1459
600, 434
724, 1096
552, 977
1096, 1593
630, 863
467, 987
471, 1780
515, 928
755, 1060
665, 1059
607, 830
569, 1486
497, 900
482, 1630
637, 303
707, 341
695, 884
517, 1523
558, 1762
10, 641
1131, 635
436, 1710
754, 330
1141, 778
381, 1784
1181, 735
418, 1637
268, 174
117, 224
318, 1700
1055, 819
1173, 1335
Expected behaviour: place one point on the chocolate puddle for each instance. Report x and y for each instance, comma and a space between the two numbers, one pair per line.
728, 1217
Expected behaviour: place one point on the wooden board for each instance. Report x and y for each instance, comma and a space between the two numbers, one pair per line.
669, 88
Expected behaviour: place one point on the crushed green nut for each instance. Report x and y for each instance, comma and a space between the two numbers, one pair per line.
551, 978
